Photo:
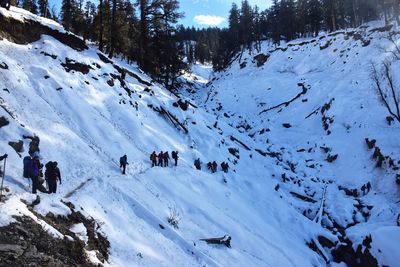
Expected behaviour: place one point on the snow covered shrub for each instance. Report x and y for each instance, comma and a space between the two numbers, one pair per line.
174, 218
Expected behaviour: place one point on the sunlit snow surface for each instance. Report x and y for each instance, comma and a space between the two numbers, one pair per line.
86, 125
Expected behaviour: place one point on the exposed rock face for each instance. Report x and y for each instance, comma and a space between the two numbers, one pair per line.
18, 146
3, 121
71, 64
261, 59
30, 31
25, 243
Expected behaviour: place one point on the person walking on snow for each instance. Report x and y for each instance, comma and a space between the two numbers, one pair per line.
52, 175
33, 172
160, 159
166, 158
224, 166
153, 158
1, 158
175, 156
123, 161
214, 166
197, 164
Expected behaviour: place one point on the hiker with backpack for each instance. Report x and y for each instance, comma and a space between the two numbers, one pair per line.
31, 170
197, 164
166, 158
209, 166
52, 175
1, 158
123, 161
160, 158
214, 166
153, 159
224, 167
175, 156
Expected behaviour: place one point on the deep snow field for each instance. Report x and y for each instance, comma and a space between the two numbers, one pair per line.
87, 121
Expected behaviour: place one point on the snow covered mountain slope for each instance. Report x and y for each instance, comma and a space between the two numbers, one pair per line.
88, 111
309, 105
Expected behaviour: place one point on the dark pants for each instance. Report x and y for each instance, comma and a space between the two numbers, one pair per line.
176, 162
123, 166
154, 163
52, 186
166, 163
35, 183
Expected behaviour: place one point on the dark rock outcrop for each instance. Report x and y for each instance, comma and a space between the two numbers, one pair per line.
3, 122
28, 31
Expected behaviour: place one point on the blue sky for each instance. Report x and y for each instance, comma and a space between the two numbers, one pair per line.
203, 13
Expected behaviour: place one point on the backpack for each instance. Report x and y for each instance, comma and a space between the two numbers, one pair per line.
121, 161
27, 162
51, 172
173, 154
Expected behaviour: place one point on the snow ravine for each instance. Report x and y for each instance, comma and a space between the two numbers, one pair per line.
87, 121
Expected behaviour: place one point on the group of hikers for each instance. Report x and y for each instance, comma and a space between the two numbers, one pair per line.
212, 166
366, 188
33, 169
161, 159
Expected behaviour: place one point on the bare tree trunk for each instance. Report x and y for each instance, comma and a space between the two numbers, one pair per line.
45, 9
333, 17
113, 29
143, 35
379, 86
101, 44
389, 78
396, 10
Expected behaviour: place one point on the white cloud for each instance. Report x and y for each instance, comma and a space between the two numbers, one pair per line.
208, 20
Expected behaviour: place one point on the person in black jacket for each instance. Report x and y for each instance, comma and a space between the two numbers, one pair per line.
197, 164
52, 175
1, 158
166, 158
175, 157
123, 161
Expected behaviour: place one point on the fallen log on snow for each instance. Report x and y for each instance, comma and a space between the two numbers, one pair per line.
225, 240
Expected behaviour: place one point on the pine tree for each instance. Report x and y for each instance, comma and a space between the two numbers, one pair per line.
273, 21
234, 28
30, 5
315, 16
66, 14
43, 8
287, 19
113, 32
246, 24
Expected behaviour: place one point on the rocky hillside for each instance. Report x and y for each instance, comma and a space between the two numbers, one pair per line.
85, 110
314, 113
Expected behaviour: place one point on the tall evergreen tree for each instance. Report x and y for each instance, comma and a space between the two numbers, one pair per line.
234, 28
43, 8
66, 13
246, 24
30, 5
